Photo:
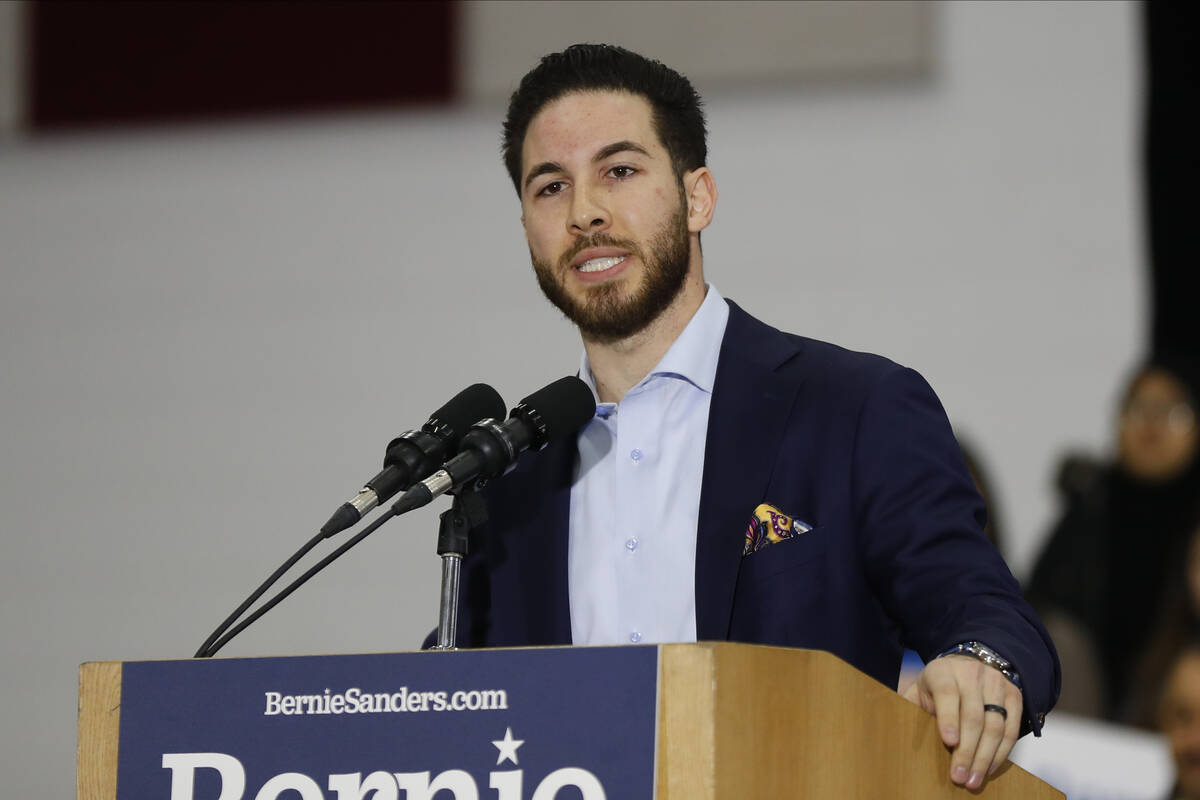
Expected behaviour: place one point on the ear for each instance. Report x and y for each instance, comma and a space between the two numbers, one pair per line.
700, 193
524, 224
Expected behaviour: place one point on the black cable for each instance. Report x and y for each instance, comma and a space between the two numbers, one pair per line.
267, 584
296, 584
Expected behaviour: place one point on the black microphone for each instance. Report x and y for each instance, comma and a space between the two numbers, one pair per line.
491, 448
413, 455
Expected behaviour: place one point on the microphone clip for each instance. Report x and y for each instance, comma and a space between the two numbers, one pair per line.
466, 512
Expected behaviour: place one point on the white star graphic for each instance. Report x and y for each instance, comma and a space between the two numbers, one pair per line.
507, 747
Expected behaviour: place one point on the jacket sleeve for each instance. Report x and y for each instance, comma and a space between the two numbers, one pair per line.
921, 521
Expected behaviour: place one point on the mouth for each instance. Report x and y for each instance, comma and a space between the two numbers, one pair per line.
599, 263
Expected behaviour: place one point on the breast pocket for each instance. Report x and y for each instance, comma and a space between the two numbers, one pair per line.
784, 555
782, 590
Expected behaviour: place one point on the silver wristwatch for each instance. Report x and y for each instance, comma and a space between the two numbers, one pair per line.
988, 656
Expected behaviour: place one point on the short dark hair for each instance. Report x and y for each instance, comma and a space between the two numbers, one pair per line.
678, 113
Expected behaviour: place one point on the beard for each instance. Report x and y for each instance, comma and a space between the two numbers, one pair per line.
603, 314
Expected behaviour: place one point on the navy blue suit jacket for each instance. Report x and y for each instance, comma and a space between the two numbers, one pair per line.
854, 445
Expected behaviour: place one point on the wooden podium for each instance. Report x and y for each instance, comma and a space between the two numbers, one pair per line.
733, 721
728, 729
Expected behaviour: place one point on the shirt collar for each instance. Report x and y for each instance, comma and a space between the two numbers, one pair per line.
692, 356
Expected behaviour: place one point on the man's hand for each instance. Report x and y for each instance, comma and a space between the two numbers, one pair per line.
955, 689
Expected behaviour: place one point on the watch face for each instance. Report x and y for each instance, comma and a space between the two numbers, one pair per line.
986, 655
995, 659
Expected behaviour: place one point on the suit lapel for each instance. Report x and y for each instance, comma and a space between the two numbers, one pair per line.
746, 419
533, 517
550, 614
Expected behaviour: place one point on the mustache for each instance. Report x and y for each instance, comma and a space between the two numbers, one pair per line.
596, 240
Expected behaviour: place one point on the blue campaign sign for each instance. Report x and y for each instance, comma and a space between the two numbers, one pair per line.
536, 724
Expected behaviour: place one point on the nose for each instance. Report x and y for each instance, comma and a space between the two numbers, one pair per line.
588, 211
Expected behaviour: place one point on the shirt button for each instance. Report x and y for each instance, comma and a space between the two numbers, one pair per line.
631, 544
636, 455
635, 637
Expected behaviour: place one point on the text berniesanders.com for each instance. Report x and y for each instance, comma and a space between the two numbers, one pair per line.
357, 701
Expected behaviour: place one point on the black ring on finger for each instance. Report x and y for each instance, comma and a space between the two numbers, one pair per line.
1001, 710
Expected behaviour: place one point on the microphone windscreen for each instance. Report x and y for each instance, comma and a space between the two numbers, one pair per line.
476, 402
559, 409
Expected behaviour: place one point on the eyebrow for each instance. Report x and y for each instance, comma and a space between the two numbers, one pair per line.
619, 147
609, 150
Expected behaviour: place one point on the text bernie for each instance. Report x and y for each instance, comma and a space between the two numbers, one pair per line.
386, 785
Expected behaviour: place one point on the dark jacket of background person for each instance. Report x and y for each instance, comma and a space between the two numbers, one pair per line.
1107, 562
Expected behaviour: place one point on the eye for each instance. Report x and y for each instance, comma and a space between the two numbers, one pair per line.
552, 188
621, 172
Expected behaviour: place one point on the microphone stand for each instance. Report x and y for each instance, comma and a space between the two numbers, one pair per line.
465, 514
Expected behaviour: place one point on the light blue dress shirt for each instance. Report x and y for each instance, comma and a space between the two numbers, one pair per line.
635, 496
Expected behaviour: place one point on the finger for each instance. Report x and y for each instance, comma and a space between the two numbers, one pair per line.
922, 699
989, 742
971, 714
1015, 704
943, 690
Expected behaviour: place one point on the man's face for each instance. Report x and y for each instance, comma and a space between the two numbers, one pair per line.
604, 213
1180, 721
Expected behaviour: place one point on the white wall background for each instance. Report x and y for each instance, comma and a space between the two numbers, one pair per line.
746, 41
208, 335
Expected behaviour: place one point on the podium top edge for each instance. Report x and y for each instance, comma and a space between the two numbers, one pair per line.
706, 645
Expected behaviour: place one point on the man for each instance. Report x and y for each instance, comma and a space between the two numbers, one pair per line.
737, 482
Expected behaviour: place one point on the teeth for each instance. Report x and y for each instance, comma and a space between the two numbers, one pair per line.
600, 264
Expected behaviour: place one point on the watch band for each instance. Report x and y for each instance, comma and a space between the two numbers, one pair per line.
987, 655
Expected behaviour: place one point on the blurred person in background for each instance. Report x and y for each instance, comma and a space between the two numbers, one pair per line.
1179, 720
1100, 581
1176, 630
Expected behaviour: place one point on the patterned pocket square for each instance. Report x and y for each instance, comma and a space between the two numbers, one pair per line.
770, 525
